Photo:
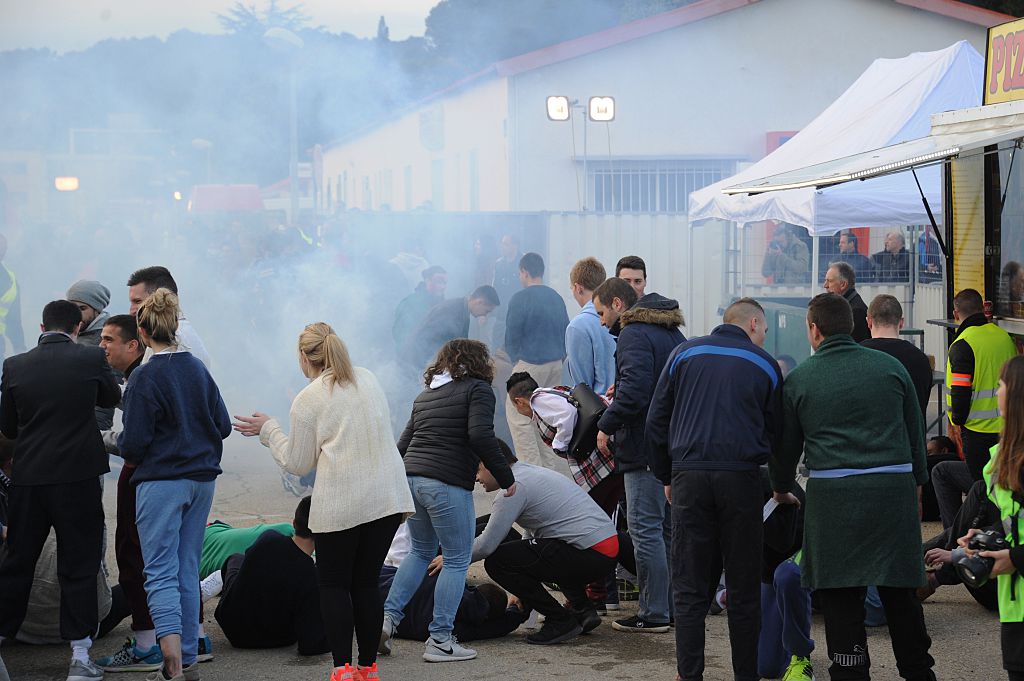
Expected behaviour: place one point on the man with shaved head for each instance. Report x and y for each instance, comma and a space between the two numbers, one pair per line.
714, 420
892, 263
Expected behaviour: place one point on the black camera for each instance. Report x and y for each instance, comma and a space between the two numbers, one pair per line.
975, 570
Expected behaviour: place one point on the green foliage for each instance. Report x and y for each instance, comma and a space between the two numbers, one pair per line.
247, 20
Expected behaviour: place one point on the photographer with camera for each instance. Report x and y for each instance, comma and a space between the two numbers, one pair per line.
997, 551
787, 259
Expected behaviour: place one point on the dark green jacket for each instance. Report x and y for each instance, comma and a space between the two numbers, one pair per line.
848, 406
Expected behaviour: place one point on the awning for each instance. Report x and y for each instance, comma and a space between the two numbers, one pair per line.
916, 153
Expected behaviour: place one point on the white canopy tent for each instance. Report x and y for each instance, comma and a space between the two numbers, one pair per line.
891, 102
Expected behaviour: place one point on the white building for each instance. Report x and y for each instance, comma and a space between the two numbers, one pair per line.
698, 90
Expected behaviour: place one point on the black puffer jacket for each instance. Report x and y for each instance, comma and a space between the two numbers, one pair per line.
450, 431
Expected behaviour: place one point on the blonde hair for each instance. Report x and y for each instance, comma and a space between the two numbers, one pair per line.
326, 352
158, 316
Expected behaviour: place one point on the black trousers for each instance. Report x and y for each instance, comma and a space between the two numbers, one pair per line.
75, 511
976, 450
847, 641
1012, 635
716, 523
348, 568
521, 567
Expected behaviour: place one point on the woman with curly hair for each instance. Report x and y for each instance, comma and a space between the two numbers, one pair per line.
450, 431
340, 425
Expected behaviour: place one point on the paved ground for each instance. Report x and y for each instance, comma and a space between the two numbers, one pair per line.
965, 637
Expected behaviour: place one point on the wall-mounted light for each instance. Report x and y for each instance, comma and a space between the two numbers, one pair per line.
177, 196
65, 183
559, 108
601, 109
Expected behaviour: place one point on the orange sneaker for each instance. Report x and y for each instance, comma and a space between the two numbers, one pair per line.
346, 673
368, 673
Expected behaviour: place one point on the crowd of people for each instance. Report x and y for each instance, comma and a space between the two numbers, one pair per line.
623, 445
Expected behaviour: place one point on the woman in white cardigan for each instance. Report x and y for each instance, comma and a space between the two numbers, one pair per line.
341, 426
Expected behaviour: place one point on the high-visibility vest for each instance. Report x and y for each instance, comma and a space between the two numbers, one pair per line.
992, 348
1010, 588
6, 300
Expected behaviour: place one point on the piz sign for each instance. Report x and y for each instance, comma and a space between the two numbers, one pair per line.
1004, 63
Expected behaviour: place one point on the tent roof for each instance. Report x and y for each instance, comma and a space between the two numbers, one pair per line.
891, 102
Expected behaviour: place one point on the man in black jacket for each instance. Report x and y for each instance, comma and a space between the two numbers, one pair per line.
647, 333
447, 321
841, 280
715, 418
47, 398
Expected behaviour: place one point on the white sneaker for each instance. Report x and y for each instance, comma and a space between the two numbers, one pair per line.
447, 651
211, 586
386, 632
84, 671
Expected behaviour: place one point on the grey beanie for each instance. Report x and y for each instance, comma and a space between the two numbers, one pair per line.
92, 293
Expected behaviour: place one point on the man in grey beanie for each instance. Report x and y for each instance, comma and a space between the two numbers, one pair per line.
92, 299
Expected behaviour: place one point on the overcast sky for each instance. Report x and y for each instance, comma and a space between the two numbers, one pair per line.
64, 25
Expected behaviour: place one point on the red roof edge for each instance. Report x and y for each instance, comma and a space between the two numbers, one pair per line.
656, 23
961, 11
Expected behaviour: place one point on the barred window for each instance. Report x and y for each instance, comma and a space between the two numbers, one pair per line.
652, 186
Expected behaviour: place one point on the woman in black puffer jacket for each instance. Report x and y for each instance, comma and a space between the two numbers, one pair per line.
450, 432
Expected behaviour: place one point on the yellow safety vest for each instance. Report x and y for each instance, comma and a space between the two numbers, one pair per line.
1011, 600
992, 348
6, 300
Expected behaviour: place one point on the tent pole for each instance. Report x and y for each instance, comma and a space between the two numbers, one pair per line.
815, 258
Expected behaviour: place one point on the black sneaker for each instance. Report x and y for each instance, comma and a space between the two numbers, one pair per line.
556, 632
588, 619
636, 624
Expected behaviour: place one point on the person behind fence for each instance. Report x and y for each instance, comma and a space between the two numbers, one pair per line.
786, 259
340, 425
848, 253
450, 430
571, 542
973, 362
269, 596
47, 401
648, 331
892, 263
175, 422
866, 461
715, 418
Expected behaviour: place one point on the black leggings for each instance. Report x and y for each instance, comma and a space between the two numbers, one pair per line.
348, 568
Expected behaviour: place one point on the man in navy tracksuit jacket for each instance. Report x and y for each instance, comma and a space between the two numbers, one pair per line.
715, 418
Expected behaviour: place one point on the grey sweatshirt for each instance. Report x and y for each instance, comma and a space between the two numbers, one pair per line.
547, 505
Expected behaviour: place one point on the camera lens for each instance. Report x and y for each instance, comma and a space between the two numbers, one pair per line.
974, 571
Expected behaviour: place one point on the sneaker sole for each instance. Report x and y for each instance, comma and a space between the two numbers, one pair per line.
567, 636
429, 657
131, 668
384, 647
660, 629
207, 657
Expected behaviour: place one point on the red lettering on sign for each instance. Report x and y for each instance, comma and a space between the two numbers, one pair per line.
998, 55
1017, 81
1011, 47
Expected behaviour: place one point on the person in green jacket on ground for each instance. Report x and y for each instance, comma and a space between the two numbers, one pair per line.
853, 413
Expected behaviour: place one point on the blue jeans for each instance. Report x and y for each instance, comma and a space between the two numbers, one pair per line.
444, 516
785, 621
874, 613
171, 516
647, 520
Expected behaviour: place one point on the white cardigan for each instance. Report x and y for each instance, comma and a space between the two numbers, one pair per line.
344, 433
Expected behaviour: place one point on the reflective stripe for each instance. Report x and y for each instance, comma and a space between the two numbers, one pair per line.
1007, 530
984, 394
983, 414
847, 472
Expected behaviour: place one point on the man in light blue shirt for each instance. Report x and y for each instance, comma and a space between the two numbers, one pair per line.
590, 349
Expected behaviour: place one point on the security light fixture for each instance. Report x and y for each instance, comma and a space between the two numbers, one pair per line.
65, 183
559, 108
601, 109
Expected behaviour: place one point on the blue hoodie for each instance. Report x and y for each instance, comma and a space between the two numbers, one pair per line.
590, 351
174, 420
